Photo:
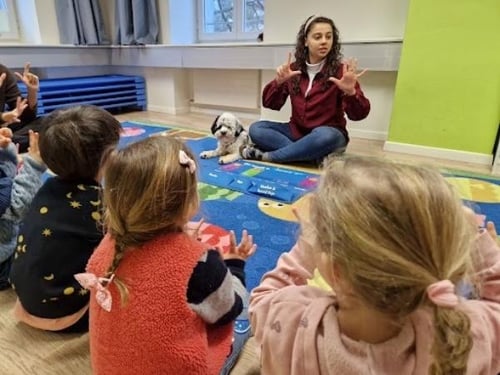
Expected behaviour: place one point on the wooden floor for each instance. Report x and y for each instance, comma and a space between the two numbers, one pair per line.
357, 146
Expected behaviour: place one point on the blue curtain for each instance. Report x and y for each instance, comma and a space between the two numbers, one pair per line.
80, 22
136, 22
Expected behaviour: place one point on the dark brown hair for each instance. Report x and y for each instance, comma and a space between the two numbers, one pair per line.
332, 60
74, 141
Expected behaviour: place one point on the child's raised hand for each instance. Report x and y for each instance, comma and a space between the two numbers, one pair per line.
11, 117
5, 137
33, 150
30, 80
244, 250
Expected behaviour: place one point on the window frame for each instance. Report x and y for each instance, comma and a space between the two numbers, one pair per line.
14, 33
236, 35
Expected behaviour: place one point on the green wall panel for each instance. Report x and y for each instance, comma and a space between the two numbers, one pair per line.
448, 86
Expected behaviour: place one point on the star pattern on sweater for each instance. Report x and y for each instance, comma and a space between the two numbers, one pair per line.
75, 204
46, 232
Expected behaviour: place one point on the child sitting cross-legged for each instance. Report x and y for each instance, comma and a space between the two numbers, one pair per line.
161, 301
62, 227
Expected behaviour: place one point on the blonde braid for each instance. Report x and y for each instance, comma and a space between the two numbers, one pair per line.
119, 254
452, 342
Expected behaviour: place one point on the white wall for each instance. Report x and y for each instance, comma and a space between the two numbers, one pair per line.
357, 20
47, 21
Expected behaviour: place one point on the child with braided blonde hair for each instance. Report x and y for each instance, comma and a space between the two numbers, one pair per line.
161, 301
392, 241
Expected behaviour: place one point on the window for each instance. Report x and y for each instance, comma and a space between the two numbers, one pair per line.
8, 20
230, 20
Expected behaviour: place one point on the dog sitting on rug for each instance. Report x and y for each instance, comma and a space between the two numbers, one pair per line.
230, 135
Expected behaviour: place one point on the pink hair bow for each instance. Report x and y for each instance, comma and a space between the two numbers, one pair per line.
443, 294
100, 285
187, 161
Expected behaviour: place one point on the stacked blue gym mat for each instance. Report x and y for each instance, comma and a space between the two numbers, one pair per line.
111, 92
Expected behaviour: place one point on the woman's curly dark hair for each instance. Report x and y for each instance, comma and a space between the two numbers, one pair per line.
332, 60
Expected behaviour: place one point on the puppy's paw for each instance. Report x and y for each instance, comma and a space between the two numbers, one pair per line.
228, 159
207, 154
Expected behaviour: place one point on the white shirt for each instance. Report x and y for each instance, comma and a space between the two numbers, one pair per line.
312, 70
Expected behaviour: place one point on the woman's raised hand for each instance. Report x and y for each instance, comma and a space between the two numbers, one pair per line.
285, 72
347, 83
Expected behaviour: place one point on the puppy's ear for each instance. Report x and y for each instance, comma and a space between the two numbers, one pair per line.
239, 128
213, 129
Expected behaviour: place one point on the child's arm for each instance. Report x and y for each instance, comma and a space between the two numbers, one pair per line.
27, 181
293, 268
487, 266
8, 168
216, 289
214, 292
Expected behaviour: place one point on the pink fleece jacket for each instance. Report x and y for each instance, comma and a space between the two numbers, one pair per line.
297, 328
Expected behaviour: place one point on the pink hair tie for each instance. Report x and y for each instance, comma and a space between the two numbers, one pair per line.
443, 294
187, 161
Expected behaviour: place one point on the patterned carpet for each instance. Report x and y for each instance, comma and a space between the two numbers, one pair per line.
271, 221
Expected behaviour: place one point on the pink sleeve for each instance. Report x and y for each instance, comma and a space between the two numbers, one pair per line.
487, 267
293, 268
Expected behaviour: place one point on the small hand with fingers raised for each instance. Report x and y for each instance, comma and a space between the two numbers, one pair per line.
11, 117
284, 72
347, 83
33, 149
30, 80
244, 250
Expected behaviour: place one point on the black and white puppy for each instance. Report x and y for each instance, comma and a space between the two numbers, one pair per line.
231, 136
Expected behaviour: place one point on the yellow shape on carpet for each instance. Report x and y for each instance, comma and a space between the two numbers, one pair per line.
476, 190
284, 211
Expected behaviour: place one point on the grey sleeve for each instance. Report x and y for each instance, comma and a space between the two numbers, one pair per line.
26, 184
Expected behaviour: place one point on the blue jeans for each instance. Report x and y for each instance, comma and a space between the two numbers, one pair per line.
275, 138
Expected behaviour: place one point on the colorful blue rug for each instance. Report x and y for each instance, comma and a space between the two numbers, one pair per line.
270, 219
480, 193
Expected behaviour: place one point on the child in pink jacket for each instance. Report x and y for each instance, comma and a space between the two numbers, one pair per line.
392, 241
